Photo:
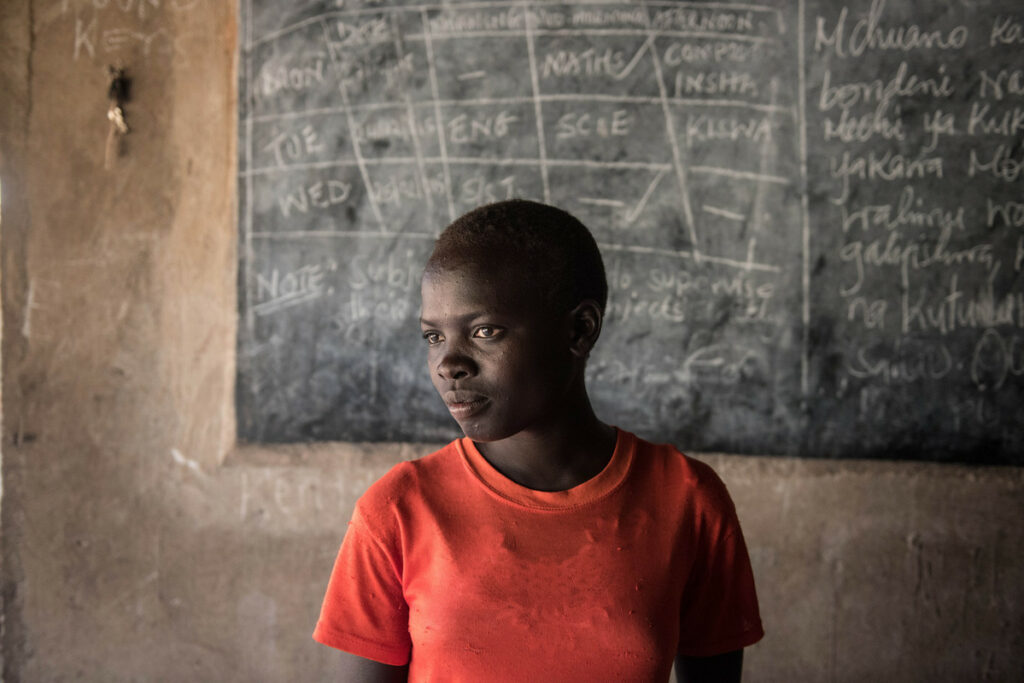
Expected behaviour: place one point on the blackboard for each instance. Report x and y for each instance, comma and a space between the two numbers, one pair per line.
810, 212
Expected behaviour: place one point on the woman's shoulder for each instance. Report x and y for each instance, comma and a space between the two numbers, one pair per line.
679, 473
411, 479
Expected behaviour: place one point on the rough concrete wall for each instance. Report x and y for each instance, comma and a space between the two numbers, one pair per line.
15, 49
132, 550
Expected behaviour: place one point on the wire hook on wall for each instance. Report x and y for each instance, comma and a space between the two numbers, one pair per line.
117, 94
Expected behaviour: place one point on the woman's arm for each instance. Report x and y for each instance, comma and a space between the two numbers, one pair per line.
724, 668
356, 669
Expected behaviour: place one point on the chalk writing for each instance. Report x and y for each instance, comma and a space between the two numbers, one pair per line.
683, 53
739, 83
582, 124
478, 190
1000, 164
109, 27
952, 308
320, 195
790, 204
919, 156
464, 128
715, 19
909, 361
909, 211
885, 166
584, 63
138, 9
700, 128
277, 291
995, 359
1005, 82
882, 93
1009, 213
398, 273
274, 78
89, 39
294, 145
1008, 122
1006, 31
869, 34
397, 190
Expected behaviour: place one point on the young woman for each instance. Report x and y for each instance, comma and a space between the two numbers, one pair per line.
545, 545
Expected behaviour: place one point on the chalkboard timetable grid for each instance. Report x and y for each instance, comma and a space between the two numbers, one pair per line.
809, 212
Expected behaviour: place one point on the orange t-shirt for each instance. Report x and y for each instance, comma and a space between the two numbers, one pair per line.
477, 578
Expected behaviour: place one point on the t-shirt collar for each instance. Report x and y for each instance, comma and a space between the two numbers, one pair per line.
595, 488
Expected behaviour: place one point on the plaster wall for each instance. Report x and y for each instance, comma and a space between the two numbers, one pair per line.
139, 543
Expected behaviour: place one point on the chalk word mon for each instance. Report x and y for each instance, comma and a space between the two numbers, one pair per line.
275, 78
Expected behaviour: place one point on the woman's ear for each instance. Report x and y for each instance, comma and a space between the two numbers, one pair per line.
586, 327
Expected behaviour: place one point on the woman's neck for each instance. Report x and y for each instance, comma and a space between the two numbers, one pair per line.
556, 456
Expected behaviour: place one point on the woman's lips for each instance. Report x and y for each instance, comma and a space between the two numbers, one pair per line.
463, 404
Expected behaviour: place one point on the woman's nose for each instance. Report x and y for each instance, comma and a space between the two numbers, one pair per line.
455, 363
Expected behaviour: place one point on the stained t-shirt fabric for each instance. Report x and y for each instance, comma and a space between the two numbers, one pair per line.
451, 567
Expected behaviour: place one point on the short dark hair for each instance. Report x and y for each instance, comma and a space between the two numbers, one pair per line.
556, 250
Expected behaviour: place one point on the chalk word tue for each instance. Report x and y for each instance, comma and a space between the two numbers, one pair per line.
290, 146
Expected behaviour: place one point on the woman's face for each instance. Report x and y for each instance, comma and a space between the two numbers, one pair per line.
500, 360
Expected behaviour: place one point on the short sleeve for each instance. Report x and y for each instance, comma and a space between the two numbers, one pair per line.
719, 611
364, 611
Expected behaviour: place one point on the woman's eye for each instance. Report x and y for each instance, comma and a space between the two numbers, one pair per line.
486, 332
432, 337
